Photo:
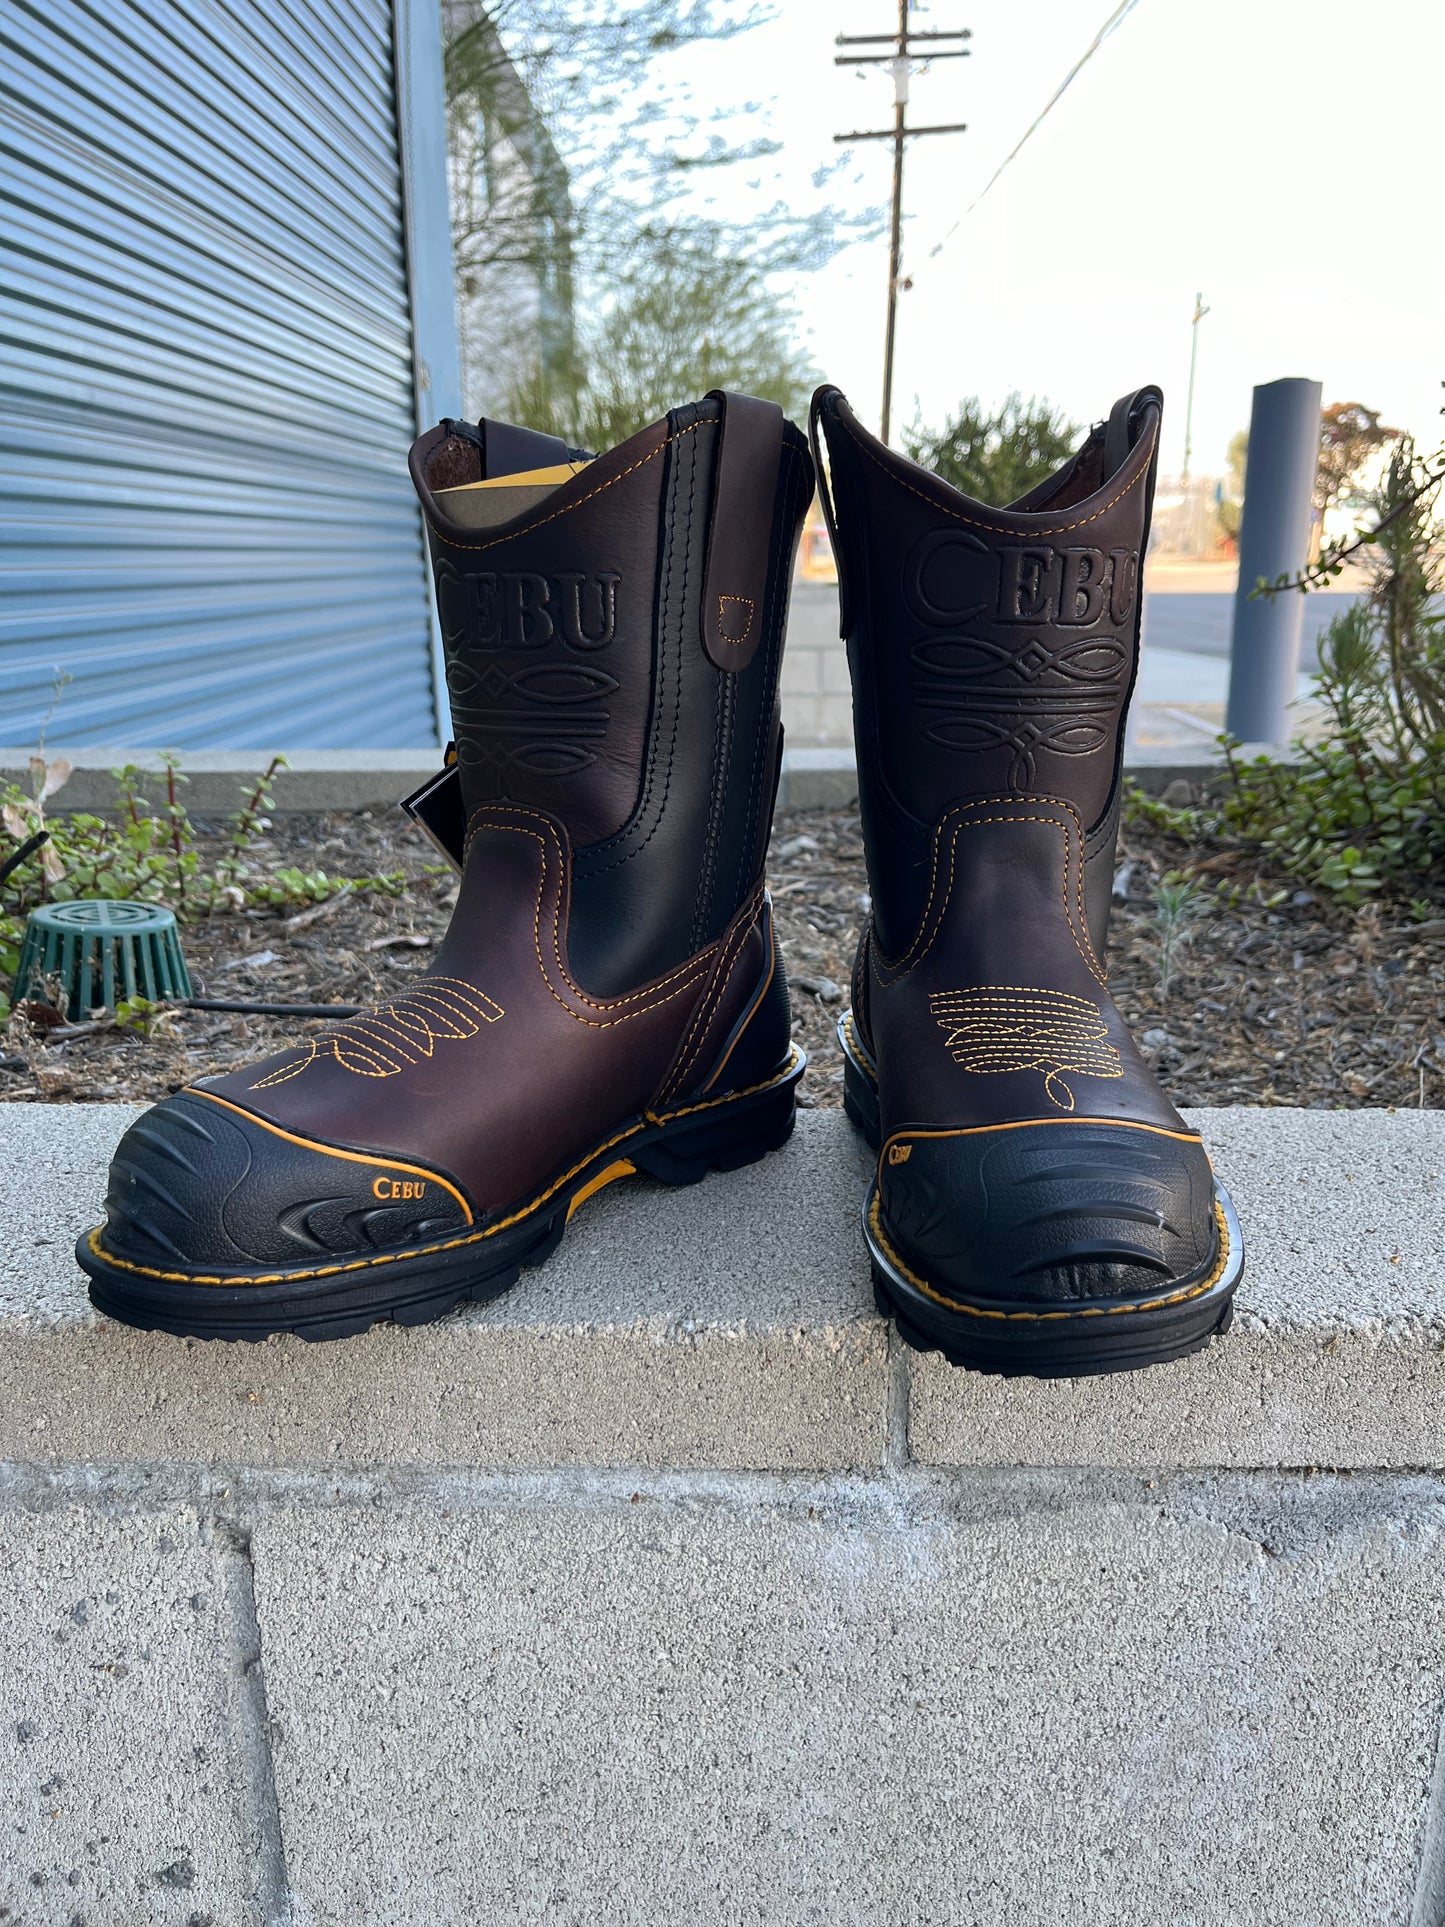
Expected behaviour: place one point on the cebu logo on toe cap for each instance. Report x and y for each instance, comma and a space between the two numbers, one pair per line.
996, 1028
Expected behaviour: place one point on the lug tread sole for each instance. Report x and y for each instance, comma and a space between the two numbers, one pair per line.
676, 1151
1121, 1341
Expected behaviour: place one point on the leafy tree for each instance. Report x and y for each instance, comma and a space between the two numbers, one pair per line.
1349, 434
577, 164
681, 331
996, 457
1231, 497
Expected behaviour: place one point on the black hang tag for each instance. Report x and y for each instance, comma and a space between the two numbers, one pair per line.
438, 809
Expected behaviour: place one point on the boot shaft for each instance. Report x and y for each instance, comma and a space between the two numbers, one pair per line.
612, 661
993, 651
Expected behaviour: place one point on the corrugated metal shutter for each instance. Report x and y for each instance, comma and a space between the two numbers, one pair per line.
207, 390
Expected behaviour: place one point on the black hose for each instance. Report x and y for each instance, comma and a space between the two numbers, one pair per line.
273, 1010
27, 848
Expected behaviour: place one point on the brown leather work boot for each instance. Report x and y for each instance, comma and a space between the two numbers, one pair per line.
608, 998
1039, 1206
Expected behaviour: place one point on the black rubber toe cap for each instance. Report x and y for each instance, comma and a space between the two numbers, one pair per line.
1049, 1213
196, 1184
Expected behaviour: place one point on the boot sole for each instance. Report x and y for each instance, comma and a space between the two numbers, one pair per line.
416, 1287
1015, 1340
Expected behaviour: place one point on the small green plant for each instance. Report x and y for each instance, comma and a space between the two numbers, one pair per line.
1178, 902
1360, 809
150, 857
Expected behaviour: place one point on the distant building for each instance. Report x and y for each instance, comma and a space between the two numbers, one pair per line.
229, 309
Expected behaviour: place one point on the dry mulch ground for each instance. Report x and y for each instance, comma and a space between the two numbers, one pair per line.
1295, 1002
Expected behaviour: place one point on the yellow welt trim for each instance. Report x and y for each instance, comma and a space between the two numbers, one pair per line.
1033, 1123
622, 1168
1053, 1317
449, 1244
330, 1150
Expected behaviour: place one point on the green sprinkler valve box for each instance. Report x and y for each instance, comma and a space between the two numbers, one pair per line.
101, 952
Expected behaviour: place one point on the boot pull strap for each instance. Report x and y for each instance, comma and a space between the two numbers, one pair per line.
735, 584
1121, 430
825, 496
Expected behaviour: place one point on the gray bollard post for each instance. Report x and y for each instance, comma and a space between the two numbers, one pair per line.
1284, 453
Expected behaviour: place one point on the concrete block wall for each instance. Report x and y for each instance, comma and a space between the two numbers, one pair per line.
670, 1588
817, 695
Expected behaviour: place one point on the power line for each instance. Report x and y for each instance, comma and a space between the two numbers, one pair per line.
1116, 19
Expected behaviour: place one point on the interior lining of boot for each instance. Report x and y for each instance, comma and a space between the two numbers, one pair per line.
1079, 478
453, 462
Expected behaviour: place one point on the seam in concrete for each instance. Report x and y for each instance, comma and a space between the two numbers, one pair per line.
1280, 1513
900, 1397
270, 1894
1427, 1906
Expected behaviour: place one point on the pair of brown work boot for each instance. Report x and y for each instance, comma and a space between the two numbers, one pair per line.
610, 997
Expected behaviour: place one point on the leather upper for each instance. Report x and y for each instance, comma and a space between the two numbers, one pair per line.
611, 953
993, 651
1027, 1150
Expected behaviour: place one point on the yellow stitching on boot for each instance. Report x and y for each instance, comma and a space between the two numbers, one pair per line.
399, 1032
999, 1028
93, 1241
1003, 528
959, 820
747, 603
712, 996
685, 976
601, 489
1052, 1317
332, 1150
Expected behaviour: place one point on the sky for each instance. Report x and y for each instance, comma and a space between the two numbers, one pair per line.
1277, 156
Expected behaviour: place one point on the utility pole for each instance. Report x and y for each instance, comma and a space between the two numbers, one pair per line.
900, 59
1199, 313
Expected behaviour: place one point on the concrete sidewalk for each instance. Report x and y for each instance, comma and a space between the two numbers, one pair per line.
669, 1589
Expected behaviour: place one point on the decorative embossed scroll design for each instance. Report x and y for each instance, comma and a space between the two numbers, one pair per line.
1058, 689
396, 1034
1061, 696
540, 717
997, 1028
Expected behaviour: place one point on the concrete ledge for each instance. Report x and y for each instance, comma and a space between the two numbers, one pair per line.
732, 1326
219, 779
375, 779
623, 1598
662, 1334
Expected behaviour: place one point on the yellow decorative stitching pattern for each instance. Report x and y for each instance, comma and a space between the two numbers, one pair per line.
398, 1033
691, 1047
958, 819
685, 978
1217, 1271
742, 601
997, 1028
601, 489
649, 1119
1006, 528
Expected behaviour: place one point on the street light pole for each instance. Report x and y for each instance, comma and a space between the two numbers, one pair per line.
900, 61
1199, 313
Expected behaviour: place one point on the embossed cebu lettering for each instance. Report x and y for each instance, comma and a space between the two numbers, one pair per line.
984, 683
523, 609
951, 577
1073, 587
388, 1189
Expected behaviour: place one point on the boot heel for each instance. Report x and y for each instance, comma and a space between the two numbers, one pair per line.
860, 1085
725, 1133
